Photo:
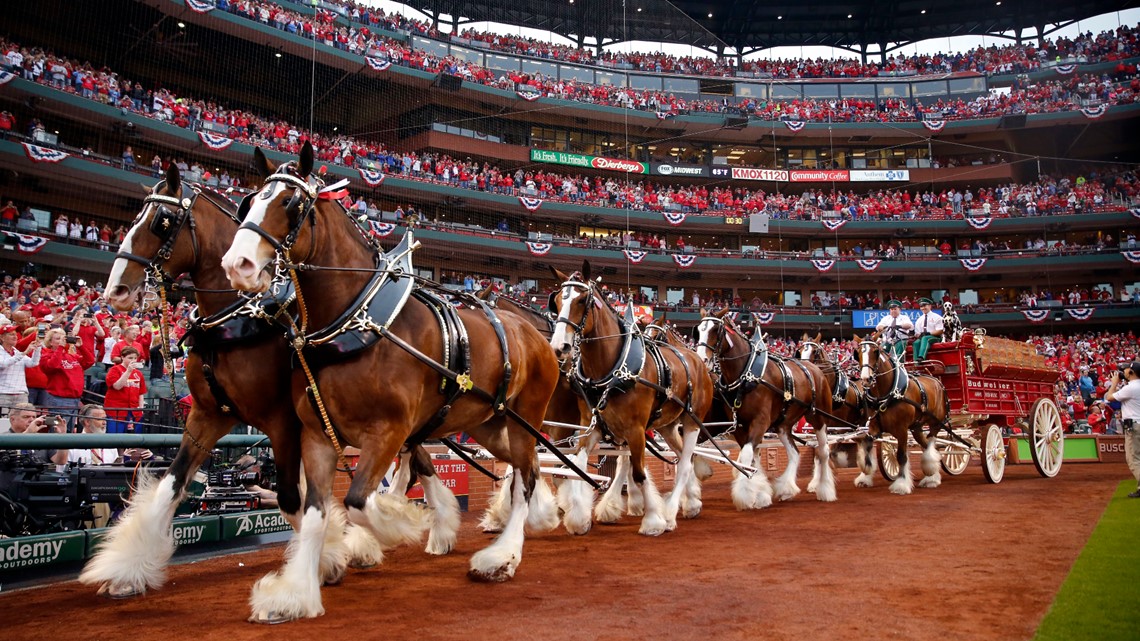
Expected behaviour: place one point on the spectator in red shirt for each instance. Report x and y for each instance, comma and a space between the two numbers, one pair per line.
63, 362
126, 387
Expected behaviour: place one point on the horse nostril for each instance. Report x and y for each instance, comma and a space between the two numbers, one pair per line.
119, 291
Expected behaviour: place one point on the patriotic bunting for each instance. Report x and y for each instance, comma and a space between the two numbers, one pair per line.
684, 260
1035, 315
764, 318
868, 265
29, 244
794, 125
1095, 111
200, 6
531, 204
529, 93
934, 125
1065, 70
377, 64
371, 177
662, 115
539, 249
381, 229
1131, 256
972, 264
834, 225
1135, 212
635, 256
823, 265
1082, 314
979, 223
214, 141
674, 218
44, 154
6, 77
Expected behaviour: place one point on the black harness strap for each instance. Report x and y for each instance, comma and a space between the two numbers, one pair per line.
500, 402
465, 456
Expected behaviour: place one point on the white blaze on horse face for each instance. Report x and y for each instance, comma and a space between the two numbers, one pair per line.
704, 331
119, 267
805, 352
865, 361
249, 252
560, 339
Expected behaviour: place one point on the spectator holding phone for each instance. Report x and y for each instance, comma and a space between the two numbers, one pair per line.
13, 362
26, 419
126, 387
64, 363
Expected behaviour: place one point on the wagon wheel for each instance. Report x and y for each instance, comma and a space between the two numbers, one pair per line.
1047, 439
993, 454
955, 458
888, 464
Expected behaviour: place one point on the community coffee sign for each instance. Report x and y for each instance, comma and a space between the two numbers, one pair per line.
666, 169
819, 175
593, 162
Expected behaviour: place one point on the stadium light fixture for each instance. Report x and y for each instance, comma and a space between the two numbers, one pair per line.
639, 9
849, 16
710, 14
924, 12
277, 55
181, 25
779, 17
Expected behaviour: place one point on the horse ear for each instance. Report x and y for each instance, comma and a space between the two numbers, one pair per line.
306, 160
173, 179
818, 336
704, 312
562, 278
663, 315
855, 339
722, 312
585, 270
261, 164
484, 294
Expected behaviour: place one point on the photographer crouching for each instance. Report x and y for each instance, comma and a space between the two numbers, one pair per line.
1125, 389
26, 419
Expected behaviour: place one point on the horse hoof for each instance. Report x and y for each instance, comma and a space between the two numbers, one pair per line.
361, 566
692, 513
121, 596
492, 530
501, 574
269, 618
652, 532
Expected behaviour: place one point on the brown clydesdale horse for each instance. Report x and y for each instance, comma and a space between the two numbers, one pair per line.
903, 402
847, 397
403, 372
631, 386
766, 393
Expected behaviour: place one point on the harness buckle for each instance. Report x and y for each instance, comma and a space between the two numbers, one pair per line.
464, 382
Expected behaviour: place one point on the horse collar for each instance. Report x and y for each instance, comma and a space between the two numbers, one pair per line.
626, 369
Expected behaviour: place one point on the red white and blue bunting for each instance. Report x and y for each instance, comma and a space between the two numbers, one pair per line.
529, 93
200, 6
972, 264
214, 141
539, 249
29, 244
1135, 211
371, 177
868, 264
934, 125
979, 223
1095, 111
635, 256
1065, 70
377, 64
823, 265
662, 115
381, 229
531, 204
794, 125
834, 225
44, 154
1131, 256
6, 77
673, 218
1035, 315
764, 318
1082, 314
684, 260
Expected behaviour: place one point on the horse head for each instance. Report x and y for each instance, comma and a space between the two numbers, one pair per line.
273, 219
713, 334
810, 348
570, 304
870, 359
155, 249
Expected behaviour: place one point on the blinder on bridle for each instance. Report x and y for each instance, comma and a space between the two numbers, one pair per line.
576, 282
170, 216
298, 208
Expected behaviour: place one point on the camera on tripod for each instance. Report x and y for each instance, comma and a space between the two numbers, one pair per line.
226, 484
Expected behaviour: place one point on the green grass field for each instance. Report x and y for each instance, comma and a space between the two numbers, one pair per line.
1100, 599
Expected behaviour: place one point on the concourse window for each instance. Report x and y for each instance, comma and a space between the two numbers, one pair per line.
894, 90
581, 74
931, 88
786, 92
610, 78
967, 85
652, 83
748, 90
857, 90
820, 90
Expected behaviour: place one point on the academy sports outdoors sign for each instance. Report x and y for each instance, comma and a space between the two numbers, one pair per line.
593, 162
32, 551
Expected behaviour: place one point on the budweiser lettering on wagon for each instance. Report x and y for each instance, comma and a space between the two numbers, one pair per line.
754, 173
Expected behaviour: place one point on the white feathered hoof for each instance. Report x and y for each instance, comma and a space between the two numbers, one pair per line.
363, 549
487, 568
786, 490
275, 600
826, 492
653, 525
864, 480
702, 469
903, 485
931, 481
608, 511
692, 508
